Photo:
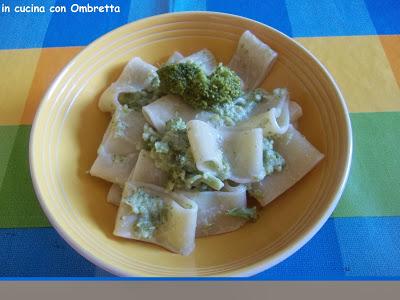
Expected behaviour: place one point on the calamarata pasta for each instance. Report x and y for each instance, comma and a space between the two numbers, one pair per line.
190, 144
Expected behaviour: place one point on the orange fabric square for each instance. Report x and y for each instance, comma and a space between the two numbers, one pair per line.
50, 63
391, 45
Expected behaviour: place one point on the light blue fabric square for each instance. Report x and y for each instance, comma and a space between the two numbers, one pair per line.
24, 30
370, 246
329, 18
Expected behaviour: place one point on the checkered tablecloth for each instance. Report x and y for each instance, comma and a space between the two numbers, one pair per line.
359, 42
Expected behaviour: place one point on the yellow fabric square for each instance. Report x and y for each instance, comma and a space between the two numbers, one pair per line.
17, 71
360, 67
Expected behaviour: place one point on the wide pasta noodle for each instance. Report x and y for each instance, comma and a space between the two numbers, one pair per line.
118, 151
146, 171
205, 142
124, 133
272, 99
295, 111
230, 186
136, 76
166, 108
174, 58
177, 231
242, 149
300, 156
114, 194
204, 59
275, 120
212, 207
113, 168
252, 60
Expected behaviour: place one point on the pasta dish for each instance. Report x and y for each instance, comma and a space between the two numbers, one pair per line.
192, 142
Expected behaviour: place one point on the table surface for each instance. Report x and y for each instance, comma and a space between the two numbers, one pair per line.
357, 40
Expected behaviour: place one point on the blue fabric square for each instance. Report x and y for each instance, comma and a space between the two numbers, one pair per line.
80, 29
329, 18
385, 15
140, 9
319, 259
184, 5
272, 13
23, 30
39, 252
370, 246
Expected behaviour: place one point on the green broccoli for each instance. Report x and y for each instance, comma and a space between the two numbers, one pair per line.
177, 79
249, 214
171, 153
151, 212
224, 86
272, 160
196, 88
136, 100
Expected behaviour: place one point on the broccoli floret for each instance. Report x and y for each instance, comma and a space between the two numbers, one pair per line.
136, 100
176, 124
186, 80
272, 160
196, 88
224, 86
151, 212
